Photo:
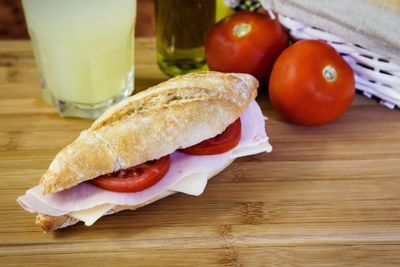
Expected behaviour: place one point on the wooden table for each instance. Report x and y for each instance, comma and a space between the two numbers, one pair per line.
326, 196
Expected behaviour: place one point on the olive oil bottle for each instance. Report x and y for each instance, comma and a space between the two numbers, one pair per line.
181, 30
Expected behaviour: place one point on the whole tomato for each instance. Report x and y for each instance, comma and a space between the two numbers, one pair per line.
311, 84
246, 42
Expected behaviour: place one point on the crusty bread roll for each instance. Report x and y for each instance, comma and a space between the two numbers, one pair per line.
178, 113
373, 24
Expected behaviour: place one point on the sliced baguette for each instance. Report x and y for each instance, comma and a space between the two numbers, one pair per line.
178, 113
372, 24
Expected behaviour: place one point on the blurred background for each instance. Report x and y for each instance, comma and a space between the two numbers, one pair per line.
12, 22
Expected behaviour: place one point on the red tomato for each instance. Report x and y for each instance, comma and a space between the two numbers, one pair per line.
219, 144
134, 179
246, 42
311, 84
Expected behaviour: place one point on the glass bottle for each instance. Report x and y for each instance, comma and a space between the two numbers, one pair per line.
181, 30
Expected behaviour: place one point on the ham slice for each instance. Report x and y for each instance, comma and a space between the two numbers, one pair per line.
184, 168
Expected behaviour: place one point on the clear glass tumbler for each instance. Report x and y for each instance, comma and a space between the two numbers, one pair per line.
84, 52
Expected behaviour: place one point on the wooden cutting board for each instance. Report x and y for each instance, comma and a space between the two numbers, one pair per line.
325, 196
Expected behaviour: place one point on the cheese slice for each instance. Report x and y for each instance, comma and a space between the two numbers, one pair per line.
252, 150
90, 216
193, 185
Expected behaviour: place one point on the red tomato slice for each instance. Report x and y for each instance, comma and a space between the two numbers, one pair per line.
134, 179
219, 144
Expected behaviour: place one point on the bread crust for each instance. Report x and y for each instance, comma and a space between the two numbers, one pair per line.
178, 113
50, 223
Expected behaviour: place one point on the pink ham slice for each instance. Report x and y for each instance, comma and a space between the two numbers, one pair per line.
85, 195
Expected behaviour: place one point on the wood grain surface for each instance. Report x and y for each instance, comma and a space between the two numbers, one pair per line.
325, 196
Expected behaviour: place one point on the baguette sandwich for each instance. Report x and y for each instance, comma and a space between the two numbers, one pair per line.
170, 138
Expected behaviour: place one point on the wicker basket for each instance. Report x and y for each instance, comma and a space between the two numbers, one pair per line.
376, 75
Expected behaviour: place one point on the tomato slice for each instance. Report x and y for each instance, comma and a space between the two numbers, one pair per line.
134, 179
218, 144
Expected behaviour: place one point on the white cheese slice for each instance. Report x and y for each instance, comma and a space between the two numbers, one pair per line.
90, 216
252, 150
192, 185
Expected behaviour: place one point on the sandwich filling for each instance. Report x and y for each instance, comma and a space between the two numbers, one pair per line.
187, 174
145, 175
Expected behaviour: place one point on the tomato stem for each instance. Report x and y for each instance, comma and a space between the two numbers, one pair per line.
241, 29
329, 73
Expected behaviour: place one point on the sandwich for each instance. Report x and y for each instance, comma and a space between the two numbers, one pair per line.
170, 138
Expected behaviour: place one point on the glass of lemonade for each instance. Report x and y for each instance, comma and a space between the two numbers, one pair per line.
84, 52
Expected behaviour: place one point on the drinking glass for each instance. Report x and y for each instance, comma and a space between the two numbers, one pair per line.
84, 51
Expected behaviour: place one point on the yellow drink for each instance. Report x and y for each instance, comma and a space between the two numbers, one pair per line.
84, 51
